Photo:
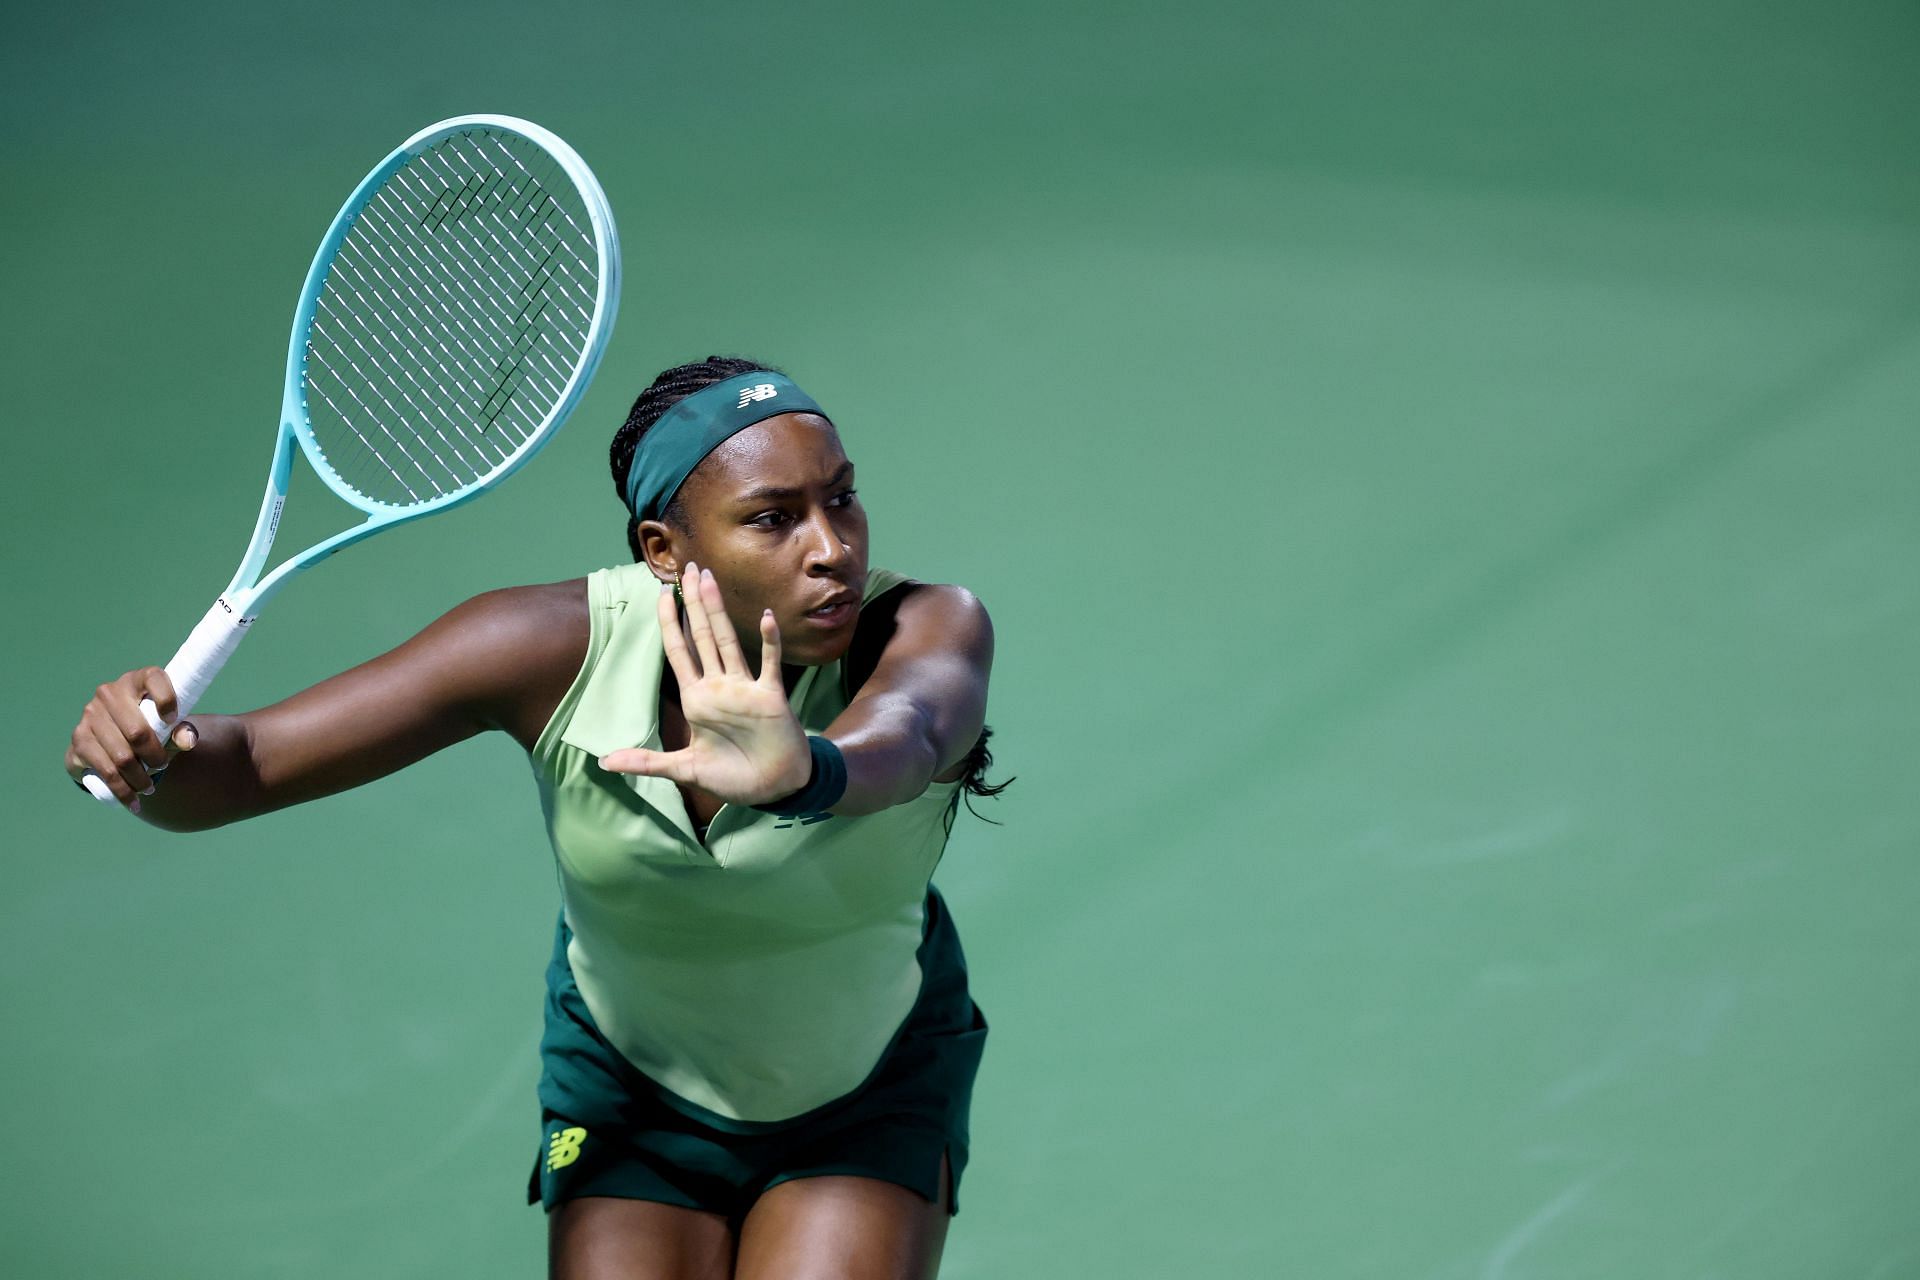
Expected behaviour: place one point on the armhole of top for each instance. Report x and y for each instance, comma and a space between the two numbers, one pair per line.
870, 635
600, 613
863, 655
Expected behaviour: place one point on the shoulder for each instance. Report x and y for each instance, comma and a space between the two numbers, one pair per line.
952, 611
619, 586
914, 619
524, 621
510, 654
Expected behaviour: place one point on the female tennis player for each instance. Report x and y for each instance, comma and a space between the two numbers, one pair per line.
750, 747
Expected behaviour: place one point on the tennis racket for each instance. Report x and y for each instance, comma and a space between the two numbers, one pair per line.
453, 315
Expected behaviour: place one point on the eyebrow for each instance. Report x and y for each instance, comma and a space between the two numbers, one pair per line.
776, 493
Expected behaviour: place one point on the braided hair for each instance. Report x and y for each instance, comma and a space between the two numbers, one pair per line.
670, 388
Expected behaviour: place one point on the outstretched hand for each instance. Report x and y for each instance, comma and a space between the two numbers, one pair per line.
744, 744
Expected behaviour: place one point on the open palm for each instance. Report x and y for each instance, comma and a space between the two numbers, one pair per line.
744, 745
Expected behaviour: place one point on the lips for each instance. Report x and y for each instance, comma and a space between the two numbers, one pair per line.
836, 611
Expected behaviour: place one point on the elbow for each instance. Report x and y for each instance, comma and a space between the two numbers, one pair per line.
890, 767
924, 737
919, 758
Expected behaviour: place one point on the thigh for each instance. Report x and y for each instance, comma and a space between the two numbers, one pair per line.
847, 1228
611, 1238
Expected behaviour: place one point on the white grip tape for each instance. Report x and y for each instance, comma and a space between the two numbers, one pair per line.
207, 649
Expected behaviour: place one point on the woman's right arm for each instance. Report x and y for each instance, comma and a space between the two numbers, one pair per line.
502, 660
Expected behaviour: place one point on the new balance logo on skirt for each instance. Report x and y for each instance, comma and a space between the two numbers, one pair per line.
563, 1148
760, 391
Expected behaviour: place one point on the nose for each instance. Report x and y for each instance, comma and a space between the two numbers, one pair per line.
827, 552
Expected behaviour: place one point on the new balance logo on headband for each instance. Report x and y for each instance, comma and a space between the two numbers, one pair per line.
759, 391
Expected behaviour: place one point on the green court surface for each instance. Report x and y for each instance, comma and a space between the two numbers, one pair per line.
1444, 478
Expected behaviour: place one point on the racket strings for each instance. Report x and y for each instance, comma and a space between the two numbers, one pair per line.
434, 391
364, 296
465, 273
513, 254
438, 217
468, 311
576, 266
477, 163
456, 311
403, 359
539, 294
428, 358
537, 330
376, 323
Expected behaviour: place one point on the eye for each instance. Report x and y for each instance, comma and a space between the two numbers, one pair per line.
844, 498
768, 520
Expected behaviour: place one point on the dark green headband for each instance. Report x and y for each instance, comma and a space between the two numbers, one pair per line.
694, 428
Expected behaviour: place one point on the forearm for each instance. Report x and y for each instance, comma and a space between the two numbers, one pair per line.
500, 660
923, 707
213, 784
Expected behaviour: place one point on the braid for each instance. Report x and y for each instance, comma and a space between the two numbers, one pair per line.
974, 782
669, 388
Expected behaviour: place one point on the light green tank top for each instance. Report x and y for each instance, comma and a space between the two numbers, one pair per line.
764, 972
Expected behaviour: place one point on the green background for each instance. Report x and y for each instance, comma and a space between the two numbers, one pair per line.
1444, 480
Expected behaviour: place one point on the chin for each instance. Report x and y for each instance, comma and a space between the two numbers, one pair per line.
817, 652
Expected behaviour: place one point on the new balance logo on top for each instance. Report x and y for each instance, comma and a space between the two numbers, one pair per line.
759, 391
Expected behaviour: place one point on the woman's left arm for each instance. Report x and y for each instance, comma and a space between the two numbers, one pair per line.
920, 712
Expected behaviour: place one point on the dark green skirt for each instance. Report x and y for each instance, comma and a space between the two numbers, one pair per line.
609, 1130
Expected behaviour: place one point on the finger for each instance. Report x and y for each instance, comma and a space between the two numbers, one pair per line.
83, 773
649, 764
699, 624
106, 785
99, 743
770, 652
674, 639
725, 639
166, 700
125, 728
79, 763
148, 732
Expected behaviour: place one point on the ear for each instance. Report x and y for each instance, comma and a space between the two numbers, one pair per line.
660, 548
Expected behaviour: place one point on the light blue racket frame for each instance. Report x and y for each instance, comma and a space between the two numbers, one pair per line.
218, 634
296, 424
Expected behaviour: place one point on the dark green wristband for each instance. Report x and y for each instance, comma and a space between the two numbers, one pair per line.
825, 785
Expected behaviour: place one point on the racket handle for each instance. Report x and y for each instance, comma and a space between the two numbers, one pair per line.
193, 668
207, 649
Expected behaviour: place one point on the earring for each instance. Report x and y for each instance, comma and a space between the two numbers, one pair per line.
677, 594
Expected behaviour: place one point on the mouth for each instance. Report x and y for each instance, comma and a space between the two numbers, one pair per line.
837, 611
